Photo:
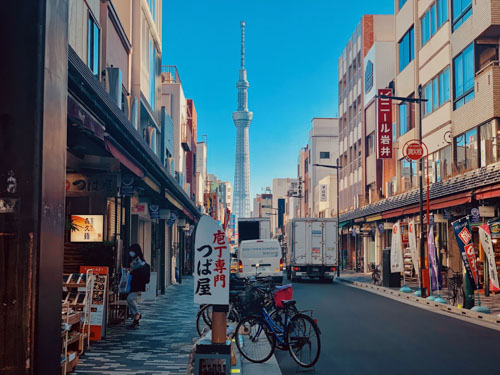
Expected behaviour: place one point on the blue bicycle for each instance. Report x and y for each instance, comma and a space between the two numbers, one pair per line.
257, 336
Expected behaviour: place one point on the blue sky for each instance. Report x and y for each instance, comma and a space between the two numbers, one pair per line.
292, 49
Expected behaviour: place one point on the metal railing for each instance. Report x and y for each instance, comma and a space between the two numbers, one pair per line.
169, 74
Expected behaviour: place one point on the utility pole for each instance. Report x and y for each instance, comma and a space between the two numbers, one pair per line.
419, 101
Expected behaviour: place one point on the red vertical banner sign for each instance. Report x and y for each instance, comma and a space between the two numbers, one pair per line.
384, 125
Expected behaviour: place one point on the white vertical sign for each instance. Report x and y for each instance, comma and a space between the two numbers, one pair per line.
485, 236
396, 251
412, 239
323, 193
211, 263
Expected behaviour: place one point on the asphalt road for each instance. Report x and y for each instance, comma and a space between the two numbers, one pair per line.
363, 333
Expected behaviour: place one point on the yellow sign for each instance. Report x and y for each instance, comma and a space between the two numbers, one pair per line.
89, 228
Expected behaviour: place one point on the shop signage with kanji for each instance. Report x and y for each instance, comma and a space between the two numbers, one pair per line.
396, 249
384, 125
211, 263
464, 240
87, 228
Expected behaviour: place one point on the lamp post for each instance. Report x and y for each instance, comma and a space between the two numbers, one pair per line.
339, 261
419, 101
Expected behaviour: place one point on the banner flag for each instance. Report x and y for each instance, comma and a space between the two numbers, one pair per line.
485, 236
412, 239
396, 251
436, 278
464, 241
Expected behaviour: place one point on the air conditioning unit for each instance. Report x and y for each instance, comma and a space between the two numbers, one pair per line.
114, 84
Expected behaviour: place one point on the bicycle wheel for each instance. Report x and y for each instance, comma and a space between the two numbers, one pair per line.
233, 316
303, 340
253, 339
204, 319
278, 317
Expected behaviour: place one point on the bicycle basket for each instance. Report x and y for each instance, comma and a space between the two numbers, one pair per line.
282, 293
252, 302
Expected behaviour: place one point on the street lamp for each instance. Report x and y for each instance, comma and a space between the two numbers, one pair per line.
418, 100
339, 261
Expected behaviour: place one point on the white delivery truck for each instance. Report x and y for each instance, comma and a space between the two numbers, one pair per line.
312, 248
254, 228
260, 258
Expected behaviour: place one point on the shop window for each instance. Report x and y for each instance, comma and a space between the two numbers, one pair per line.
462, 10
463, 78
488, 136
93, 34
466, 153
406, 49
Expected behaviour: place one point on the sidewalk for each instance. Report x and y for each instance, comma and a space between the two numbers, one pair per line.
492, 301
161, 345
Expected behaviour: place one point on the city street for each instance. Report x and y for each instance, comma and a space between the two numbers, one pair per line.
363, 333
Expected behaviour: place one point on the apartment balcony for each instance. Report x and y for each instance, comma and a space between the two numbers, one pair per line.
169, 74
186, 137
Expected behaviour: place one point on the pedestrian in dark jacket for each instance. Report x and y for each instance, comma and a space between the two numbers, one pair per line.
138, 282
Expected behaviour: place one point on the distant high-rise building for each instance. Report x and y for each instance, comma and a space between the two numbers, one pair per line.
242, 118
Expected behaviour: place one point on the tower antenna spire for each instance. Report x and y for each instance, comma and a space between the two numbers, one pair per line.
242, 24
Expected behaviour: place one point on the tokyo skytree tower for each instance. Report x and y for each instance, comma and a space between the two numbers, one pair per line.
242, 118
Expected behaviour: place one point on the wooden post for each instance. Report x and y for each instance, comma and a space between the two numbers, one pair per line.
219, 323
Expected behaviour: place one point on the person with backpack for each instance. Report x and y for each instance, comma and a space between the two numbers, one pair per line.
140, 272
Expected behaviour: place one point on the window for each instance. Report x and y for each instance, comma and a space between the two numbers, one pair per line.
370, 143
437, 91
433, 19
463, 67
401, 3
406, 117
408, 174
403, 116
462, 9
324, 155
488, 137
93, 45
466, 155
406, 50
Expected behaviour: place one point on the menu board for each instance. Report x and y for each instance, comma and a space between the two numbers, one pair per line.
99, 300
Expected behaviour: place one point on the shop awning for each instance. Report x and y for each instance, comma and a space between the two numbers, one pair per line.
435, 204
372, 218
113, 150
488, 192
392, 213
344, 223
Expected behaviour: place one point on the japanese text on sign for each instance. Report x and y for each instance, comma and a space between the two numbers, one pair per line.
211, 264
384, 125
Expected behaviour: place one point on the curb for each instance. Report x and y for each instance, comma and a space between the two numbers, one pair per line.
490, 321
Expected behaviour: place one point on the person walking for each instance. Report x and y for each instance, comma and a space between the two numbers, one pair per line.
137, 266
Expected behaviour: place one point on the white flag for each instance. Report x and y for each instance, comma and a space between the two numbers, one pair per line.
396, 251
485, 236
412, 239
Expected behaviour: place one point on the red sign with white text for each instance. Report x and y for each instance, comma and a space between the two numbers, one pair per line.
384, 125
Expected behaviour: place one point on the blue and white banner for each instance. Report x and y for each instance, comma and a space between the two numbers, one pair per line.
464, 240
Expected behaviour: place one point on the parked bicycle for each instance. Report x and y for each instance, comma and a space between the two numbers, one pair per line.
455, 287
376, 274
258, 335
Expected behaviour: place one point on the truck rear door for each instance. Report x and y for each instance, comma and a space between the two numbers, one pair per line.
299, 243
330, 235
316, 238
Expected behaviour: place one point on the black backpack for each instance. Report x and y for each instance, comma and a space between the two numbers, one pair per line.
146, 270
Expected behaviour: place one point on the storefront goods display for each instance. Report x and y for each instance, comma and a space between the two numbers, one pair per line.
98, 302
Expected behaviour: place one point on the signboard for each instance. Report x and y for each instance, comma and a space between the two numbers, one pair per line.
154, 211
211, 263
396, 250
381, 228
464, 241
475, 219
485, 237
413, 150
486, 211
89, 228
99, 300
127, 186
384, 125
323, 193
412, 241
494, 229
106, 183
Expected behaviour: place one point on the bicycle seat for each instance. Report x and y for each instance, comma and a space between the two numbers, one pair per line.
288, 303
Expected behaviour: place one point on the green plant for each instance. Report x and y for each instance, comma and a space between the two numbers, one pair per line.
69, 225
